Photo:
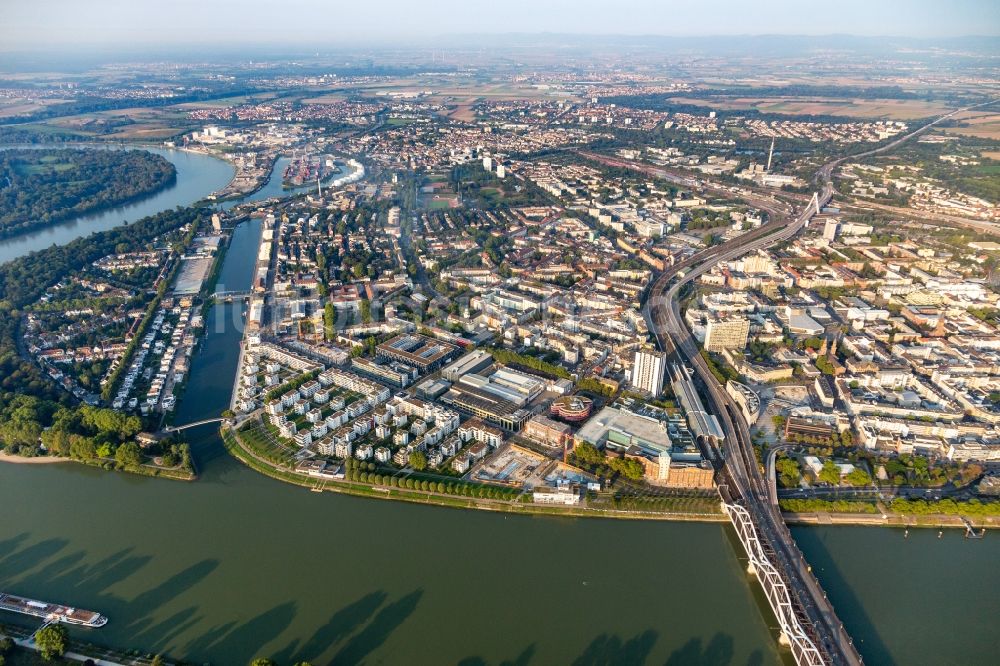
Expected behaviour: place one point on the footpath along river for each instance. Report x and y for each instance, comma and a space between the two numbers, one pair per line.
237, 565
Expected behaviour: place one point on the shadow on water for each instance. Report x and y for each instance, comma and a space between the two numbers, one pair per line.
385, 621
242, 641
757, 592
8, 546
718, 652
845, 602
46, 566
341, 624
28, 557
351, 634
522, 659
606, 650
611, 650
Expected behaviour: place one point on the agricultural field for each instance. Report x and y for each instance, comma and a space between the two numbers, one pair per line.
49, 163
134, 124
463, 112
20, 106
330, 98
885, 109
223, 102
979, 125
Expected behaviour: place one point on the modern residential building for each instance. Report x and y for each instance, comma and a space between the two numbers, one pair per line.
726, 333
648, 369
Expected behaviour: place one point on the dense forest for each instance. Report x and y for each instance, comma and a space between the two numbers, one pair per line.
29, 400
39, 187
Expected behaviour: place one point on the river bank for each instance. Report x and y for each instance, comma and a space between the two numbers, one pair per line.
894, 520
77, 651
246, 180
35, 460
238, 449
196, 176
168, 180
521, 505
177, 473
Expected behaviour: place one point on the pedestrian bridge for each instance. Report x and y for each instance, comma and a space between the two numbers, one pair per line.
233, 295
195, 424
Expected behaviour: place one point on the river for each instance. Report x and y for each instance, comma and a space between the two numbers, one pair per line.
197, 176
238, 565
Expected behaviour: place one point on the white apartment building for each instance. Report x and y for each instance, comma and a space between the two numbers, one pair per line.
648, 369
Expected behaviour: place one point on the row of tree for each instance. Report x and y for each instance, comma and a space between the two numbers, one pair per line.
508, 357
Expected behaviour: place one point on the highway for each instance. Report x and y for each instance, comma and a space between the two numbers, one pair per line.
820, 636
739, 476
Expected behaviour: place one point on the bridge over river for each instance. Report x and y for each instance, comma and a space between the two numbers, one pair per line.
195, 424
809, 624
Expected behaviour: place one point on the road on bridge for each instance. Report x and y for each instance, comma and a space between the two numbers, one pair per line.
739, 472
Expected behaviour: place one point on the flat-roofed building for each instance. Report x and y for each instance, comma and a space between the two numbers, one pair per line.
726, 333
619, 429
803, 427
547, 432
424, 353
648, 369
474, 361
393, 372
572, 408
487, 406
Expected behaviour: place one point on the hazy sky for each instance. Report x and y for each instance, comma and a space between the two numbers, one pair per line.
42, 24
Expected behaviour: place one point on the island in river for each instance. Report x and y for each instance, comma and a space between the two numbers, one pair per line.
42, 187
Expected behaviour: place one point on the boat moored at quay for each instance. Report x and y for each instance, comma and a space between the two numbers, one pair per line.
50, 612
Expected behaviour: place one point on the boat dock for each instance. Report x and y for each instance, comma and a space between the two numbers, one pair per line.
970, 531
51, 612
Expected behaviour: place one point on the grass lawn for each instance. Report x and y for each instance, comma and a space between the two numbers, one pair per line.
43, 165
398, 122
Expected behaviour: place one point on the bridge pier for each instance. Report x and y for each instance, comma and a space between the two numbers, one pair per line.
751, 569
783, 640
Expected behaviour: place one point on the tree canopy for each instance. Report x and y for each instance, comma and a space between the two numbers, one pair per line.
51, 641
39, 187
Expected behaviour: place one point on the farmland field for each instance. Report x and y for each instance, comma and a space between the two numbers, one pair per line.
876, 109
984, 126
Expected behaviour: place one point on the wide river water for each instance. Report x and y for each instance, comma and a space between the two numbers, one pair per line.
237, 565
198, 175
